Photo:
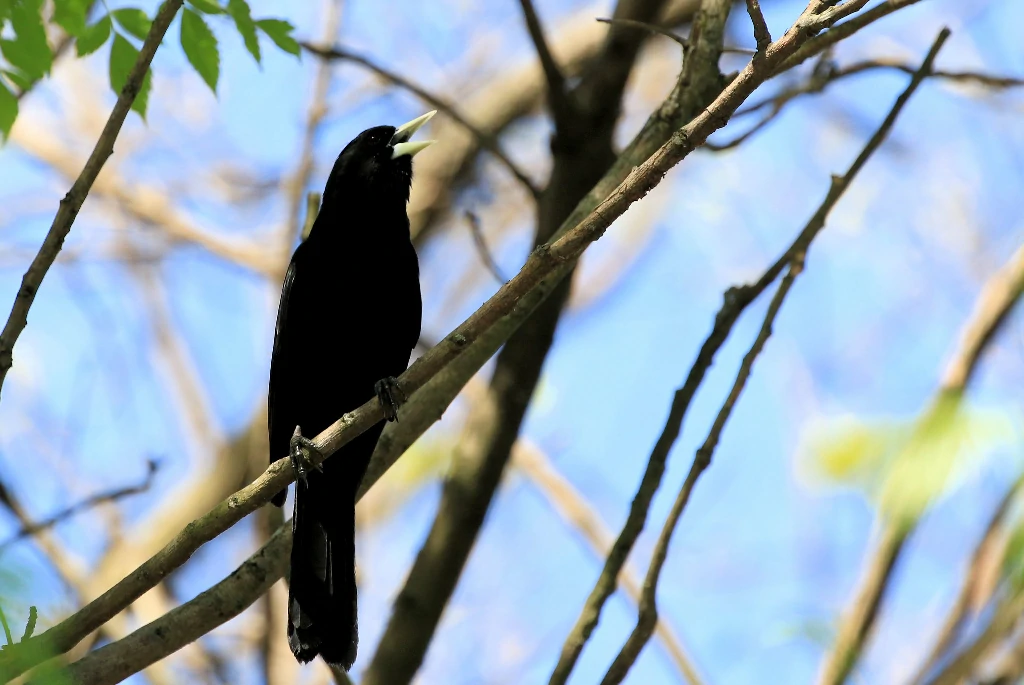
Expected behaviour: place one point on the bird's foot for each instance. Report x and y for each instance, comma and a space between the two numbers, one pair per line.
390, 395
301, 450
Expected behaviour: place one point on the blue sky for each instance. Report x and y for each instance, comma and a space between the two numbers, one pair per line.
764, 557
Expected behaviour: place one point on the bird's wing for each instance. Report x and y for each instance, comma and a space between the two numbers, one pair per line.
280, 425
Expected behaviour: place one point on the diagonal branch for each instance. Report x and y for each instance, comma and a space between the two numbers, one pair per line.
1000, 294
505, 310
990, 551
73, 201
96, 500
1005, 617
735, 301
761, 35
117, 661
856, 626
648, 614
581, 515
581, 154
315, 113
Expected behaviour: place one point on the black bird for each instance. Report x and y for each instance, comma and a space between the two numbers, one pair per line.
347, 322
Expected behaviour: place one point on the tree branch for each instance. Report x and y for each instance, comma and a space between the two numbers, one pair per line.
990, 551
1007, 614
581, 515
648, 613
1001, 292
544, 269
317, 109
735, 301
96, 500
188, 622
856, 626
481, 248
504, 98
762, 37
582, 153
72, 202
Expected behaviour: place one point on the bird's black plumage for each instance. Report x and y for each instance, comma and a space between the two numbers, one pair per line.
349, 316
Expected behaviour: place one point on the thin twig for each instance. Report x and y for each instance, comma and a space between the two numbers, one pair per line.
186, 623
72, 202
84, 505
648, 609
486, 141
668, 33
315, 113
1001, 292
513, 302
989, 551
312, 210
856, 626
583, 517
821, 43
653, 28
481, 248
648, 613
820, 79
559, 96
1006, 615
761, 35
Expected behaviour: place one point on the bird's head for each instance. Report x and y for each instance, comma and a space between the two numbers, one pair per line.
378, 162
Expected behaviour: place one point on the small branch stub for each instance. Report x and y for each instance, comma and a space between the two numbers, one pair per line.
761, 35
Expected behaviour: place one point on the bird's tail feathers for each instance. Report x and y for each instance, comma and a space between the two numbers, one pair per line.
322, 587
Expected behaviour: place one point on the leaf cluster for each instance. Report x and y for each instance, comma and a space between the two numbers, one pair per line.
27, 48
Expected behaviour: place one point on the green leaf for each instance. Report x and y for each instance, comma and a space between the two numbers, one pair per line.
207, 6
123, 56
93, 37
70, 15
905, 466
280, 32
29, 50
239, 11
17, 78
134, 21
8, 110
200, 46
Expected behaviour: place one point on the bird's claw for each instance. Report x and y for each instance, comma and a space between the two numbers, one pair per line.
390, 395
301, 451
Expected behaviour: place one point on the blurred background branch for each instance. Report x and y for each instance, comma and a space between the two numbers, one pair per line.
151, 336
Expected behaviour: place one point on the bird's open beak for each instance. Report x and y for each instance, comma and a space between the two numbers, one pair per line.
400, 141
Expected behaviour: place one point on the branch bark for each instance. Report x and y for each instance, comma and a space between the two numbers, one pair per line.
188, 622
582, 152
506, 309
998, 296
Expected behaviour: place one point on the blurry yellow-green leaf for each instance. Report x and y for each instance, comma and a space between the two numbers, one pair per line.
850, 451
904, 466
